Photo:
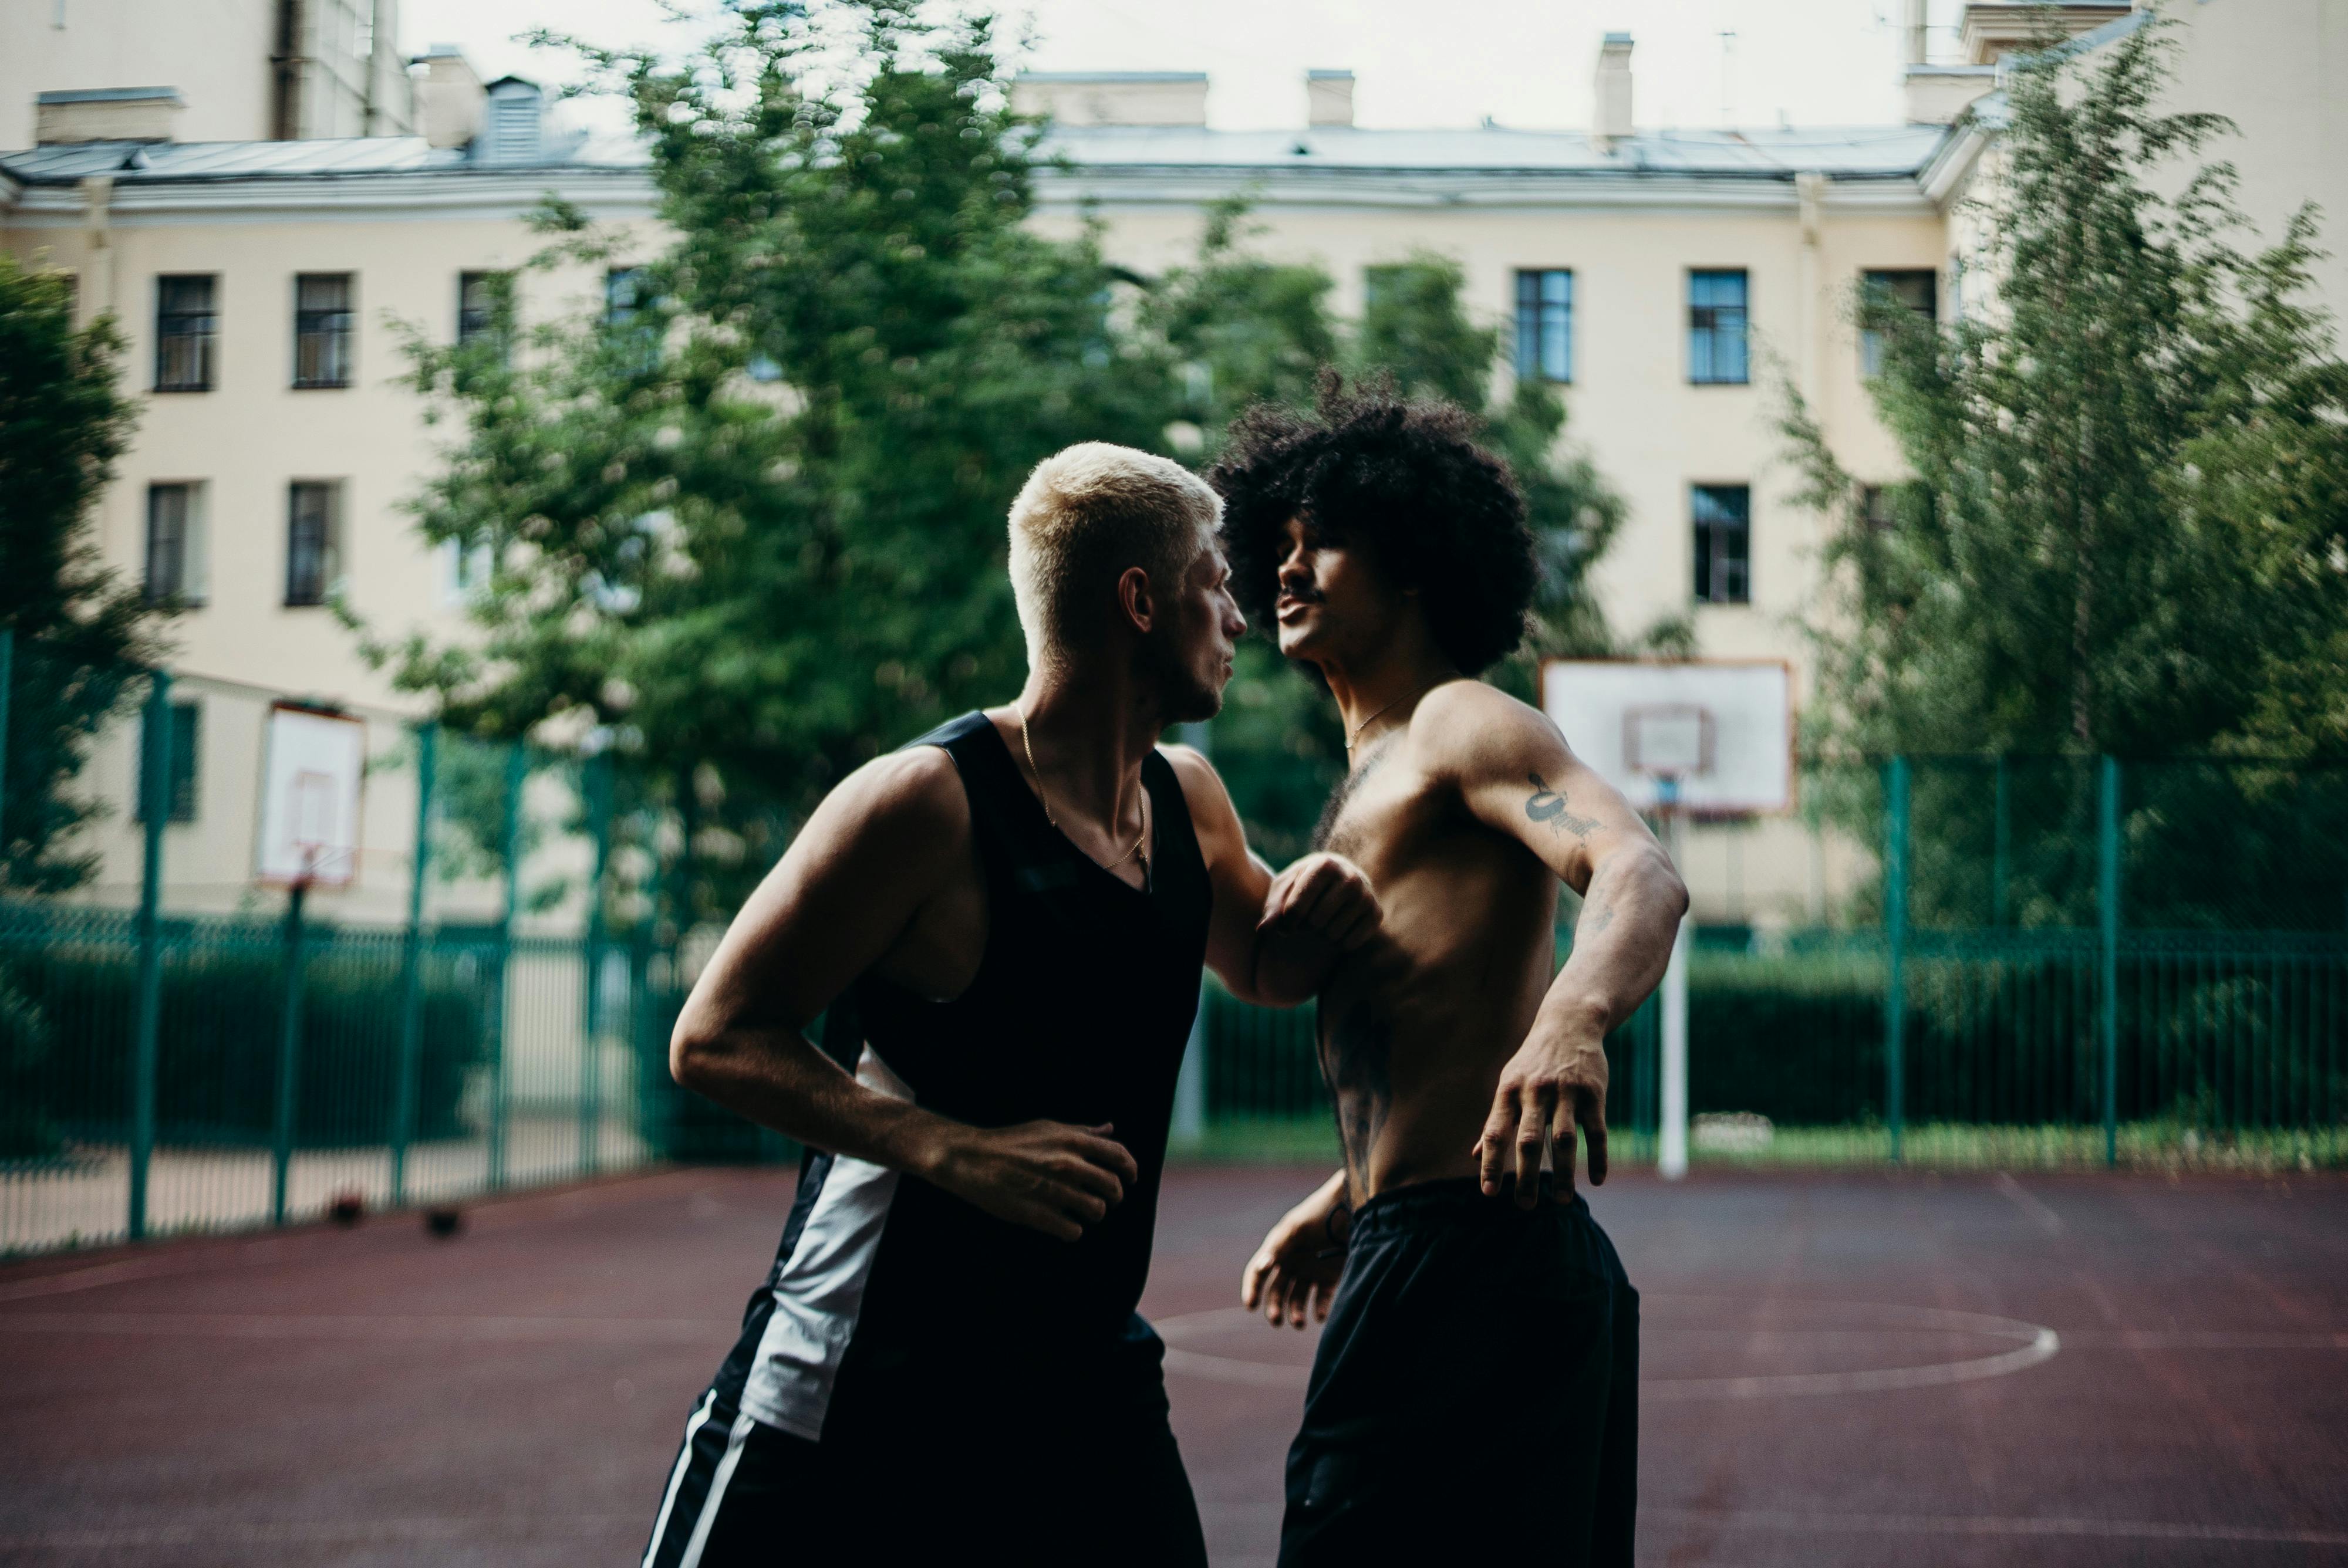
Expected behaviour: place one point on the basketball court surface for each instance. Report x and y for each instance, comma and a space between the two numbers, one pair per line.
1839, 1369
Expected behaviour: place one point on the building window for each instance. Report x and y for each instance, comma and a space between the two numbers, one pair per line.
185, 328
187, 740
477, 307
1716, 310
1874, 507
625, 291
1918, 290
321, 329
313, 541
1545, 325
175, 543
1724, 544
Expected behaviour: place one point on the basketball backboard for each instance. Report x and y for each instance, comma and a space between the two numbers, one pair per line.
1720, 732
312, 766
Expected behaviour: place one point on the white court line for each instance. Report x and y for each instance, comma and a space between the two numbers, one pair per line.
2038, 1343
2042, 1217
1943, 1524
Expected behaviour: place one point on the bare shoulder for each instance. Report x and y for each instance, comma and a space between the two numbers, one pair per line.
1469, 731
908, 801
1202, 786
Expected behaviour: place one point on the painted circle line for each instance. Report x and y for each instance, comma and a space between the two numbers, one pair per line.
2030, 1344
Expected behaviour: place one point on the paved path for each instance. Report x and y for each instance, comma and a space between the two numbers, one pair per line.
1844, 1369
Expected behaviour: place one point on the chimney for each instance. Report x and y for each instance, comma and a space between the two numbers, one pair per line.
1112, 97
1613, 118
1328, 97
449, 100
105, 114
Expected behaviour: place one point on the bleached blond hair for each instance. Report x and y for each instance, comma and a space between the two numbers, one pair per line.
1086, 516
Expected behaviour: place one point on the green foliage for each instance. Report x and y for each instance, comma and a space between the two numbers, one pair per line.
81, 633
2128, 531
746, 587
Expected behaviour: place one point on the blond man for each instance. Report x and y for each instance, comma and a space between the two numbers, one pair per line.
1003, 924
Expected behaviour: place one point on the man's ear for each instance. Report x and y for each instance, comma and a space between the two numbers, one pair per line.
1133, 598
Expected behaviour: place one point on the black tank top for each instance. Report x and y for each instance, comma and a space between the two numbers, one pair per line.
1079, 1013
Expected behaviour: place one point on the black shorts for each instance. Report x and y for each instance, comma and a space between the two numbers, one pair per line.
1001, 1472
1476, 1391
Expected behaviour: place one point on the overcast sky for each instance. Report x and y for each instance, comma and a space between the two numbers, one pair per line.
1522, 62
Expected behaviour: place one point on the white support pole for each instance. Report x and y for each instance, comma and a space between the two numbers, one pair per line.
1672, 1153
1672, 1139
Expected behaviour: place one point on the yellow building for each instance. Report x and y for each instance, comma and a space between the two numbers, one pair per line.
1665, 278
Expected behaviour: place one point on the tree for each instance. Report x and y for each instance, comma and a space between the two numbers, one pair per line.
749, 532
82, 636
2128, 531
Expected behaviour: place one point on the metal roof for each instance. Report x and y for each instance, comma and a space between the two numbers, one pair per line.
1866, 152
159, 163
1848, 151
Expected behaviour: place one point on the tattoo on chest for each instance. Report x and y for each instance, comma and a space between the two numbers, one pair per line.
1548, 806
1356, 1050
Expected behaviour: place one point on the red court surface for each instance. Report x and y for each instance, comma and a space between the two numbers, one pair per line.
1840, 1370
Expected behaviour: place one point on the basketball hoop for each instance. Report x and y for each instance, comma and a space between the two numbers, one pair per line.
314, 767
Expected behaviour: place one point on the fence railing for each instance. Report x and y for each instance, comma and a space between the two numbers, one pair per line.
2055, 961
1995, 1005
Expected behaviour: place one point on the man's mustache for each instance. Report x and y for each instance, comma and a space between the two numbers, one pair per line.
1303, 592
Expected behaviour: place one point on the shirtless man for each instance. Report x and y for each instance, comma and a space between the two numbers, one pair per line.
1476, 1386
1003, 925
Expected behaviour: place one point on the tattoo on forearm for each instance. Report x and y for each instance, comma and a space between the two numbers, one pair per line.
1548, 806
1593, 921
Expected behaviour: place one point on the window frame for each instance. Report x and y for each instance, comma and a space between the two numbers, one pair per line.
311, 590
1532, 300
1711, 332
173, 329
1711, 581
334, 328
474, 325
186, 585
1870, 342
183, 791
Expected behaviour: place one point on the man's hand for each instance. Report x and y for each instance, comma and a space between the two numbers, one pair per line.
1325, 895
1301, 1259
1045, 1176
1550, 1084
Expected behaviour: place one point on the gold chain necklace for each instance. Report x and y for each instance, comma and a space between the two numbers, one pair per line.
1046, 801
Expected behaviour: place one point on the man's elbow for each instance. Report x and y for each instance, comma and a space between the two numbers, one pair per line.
1670, 888
692, 1047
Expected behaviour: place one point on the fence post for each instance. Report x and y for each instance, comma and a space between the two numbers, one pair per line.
509, 840
2002, 849
289, 1059
1895, 943
598, 783
154, 792
7, 671
2107, 903
411, 980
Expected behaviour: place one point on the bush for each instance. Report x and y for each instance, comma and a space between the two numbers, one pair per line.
222, 1018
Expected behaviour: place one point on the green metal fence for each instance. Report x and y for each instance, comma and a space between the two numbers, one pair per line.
2057, 961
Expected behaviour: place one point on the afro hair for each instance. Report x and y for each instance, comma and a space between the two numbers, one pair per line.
1402, 481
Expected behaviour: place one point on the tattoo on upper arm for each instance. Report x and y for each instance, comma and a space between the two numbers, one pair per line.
1548, 806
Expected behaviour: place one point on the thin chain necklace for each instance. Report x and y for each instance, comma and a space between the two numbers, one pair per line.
1136, 851
1373, 719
